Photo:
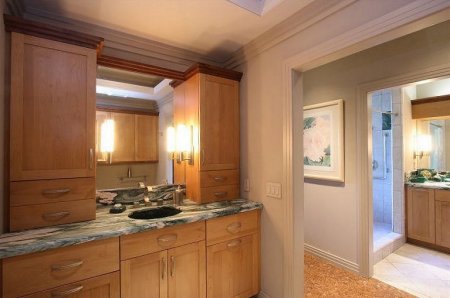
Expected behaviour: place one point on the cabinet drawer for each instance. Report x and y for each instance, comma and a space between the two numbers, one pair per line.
217, 178
104, 286
232, 226
43, 215
50, 191
36, 272
219, 193
442, 195
139, 244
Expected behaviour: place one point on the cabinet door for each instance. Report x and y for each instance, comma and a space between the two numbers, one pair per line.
421, 214
219, 123
124, 137
146, 140
187, 276
442, 218
145, 276
52, 109
104, 286
233, 268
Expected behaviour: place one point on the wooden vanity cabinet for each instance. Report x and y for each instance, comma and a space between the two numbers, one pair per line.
209, 102
166, 263
233, 255
57, 271
442, 205
420, 207
52, 125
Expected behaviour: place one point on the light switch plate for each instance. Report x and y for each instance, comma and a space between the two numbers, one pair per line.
273, 190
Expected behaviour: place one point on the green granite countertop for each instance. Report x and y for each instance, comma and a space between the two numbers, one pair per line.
430, 184
108, 225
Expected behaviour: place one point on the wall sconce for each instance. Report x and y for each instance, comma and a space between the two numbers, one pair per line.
179, 143
107, 136
422, 146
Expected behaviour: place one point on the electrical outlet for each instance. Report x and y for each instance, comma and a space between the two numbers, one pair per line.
273, 190
246, 185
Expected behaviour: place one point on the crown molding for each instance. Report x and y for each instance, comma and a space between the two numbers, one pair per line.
299, 21
15, 8
123, 42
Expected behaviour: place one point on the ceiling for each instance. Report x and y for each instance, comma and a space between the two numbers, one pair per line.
214, 28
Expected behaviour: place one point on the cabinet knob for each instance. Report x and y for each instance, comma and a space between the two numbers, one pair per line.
234, 227
163, 268
62, 267
68, 292
172, 266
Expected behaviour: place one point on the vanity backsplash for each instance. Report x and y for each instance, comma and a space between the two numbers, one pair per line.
428, 175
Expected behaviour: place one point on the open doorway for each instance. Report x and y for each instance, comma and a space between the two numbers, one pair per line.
411, 186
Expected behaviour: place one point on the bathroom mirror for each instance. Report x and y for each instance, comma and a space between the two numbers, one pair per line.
439, 132
134, 108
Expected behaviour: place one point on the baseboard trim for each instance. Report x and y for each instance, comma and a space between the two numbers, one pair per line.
335, 260
263, 294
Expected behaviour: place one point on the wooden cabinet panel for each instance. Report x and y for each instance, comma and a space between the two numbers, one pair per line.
232, 226
187, 271
44, 215
219, 193
442, 218
219, 121
52, 109
53, 268
233, 268
420, 214
218, 178
156, 240
146, 138
104, 286
124, 138
50, 191
144, 276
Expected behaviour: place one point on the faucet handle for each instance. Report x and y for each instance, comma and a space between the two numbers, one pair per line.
141, 185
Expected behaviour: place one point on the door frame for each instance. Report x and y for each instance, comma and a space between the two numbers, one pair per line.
383, 29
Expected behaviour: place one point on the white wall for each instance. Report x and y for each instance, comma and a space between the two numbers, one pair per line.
262, 147
165, 168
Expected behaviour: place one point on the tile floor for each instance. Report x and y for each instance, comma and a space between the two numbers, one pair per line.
419, 271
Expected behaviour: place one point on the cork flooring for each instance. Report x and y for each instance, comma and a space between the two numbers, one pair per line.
325, 280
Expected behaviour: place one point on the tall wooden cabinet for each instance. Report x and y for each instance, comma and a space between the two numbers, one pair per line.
52, 127
209, 102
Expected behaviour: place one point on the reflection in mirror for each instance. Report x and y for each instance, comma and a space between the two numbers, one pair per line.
439, 132
133, 111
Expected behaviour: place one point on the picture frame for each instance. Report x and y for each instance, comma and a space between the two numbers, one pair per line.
323, 141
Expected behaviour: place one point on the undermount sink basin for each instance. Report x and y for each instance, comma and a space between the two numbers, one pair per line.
153, 213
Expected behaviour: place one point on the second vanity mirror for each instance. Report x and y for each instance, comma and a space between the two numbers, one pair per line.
438, 136
134, 108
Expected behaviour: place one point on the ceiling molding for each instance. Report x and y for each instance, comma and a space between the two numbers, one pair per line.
124, 42
15, 8
304, 18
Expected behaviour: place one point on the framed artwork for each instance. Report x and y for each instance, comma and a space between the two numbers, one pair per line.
323, 141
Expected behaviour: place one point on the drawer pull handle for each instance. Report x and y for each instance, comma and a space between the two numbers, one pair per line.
67, 266
220, 194
234, 243
59, 191
172, 265
67, 292
56, 215
163, 268
91, 158
220, 178
167, 239
202, 156
234, 227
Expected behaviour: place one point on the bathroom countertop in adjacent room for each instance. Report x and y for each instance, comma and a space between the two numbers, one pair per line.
433, 185
108, 225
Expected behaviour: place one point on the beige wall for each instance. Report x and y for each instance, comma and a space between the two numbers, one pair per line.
108, 176
331, 211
